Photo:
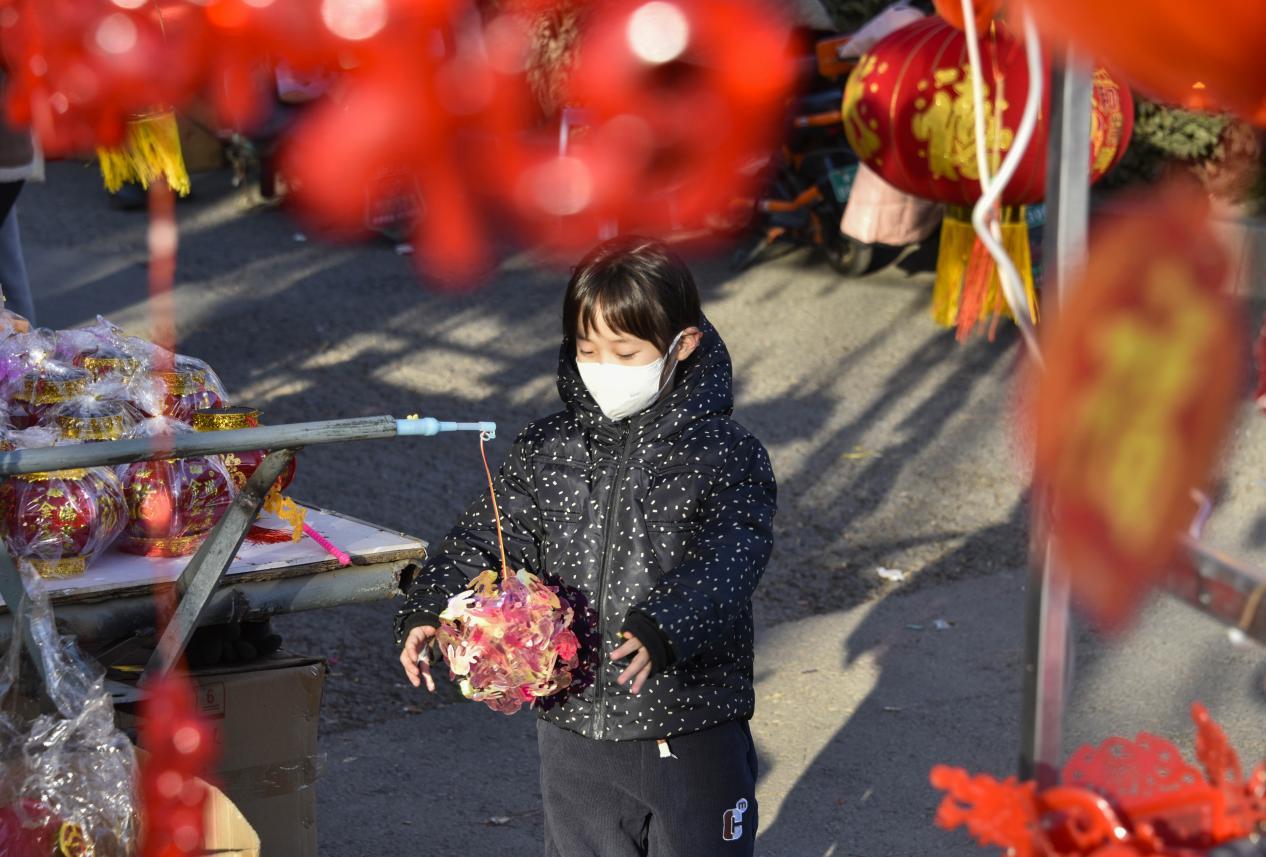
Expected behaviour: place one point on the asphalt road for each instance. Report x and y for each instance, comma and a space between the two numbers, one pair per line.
892, 446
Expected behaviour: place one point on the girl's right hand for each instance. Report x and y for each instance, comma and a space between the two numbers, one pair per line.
415, 667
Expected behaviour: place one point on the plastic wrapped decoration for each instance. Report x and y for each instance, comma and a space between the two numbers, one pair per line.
186, 392
92, 419
507, 638
205, 376
241, 465
42, 388
67, 777
21, 353
172, 504
57, 522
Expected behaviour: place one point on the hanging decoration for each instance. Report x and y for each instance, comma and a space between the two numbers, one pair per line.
507, 638
1179, 51
1142, 376
1121, 799
908, 113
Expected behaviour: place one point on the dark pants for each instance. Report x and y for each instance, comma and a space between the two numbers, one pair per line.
624, 799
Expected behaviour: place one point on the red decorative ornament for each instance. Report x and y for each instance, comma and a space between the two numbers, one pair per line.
173, 504
187, 392
32, 829
44, 388
180, 748
290, 31
240, 465
1119, 799
679, 96
952, 11
79, 69
908, 113
1141, 381
1166, 46
411, 115
59, 521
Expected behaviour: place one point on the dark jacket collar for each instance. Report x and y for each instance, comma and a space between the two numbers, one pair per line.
703, 387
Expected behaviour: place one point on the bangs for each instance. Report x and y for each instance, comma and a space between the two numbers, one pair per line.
637, 287
625, 309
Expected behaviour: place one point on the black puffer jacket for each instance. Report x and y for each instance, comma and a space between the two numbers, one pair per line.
666, 516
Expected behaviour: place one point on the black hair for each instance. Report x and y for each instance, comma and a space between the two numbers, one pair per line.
639, 286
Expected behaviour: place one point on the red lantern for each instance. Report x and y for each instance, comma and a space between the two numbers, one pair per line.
908, 113
172, 504
43, 388
59, 521
241, 465
1166, 46
187, 391
31, 829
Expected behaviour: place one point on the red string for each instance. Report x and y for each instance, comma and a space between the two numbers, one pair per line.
496, 512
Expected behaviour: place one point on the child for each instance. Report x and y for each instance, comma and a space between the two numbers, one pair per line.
653, 510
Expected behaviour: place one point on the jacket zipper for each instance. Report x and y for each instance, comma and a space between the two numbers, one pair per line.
600, 715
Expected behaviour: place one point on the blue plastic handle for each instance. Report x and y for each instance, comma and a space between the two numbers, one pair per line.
429, 427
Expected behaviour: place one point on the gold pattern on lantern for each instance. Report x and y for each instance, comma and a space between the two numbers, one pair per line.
947, 125
863, 140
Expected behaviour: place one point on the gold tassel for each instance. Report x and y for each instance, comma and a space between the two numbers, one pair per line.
151, 151
957, 239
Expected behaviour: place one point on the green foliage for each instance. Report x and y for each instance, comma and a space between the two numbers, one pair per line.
1165, 135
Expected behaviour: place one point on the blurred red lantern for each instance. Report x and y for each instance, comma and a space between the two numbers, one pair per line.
1166, 46
59, 521
79, 69
908, 113
1141, 382
179, 747
952, 11
678, 96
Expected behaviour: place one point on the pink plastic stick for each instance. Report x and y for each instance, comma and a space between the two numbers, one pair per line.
343, 559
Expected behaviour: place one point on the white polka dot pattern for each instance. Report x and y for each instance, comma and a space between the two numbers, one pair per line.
669, 513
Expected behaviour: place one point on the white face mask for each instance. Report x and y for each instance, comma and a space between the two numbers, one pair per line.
622, 391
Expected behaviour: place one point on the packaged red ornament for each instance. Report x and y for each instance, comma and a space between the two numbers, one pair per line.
90, 419
187, 391
43, 387
241, 465
172, 504
57, 522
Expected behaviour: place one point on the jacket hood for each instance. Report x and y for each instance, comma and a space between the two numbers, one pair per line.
703, 387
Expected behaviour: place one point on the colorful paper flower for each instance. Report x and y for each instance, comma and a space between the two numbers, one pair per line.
508, 642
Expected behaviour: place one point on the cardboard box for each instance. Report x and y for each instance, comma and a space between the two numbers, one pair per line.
264, 716
227, 832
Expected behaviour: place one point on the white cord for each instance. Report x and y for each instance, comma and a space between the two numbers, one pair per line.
992, 187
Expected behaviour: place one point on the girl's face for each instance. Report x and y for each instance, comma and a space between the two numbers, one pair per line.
601, 344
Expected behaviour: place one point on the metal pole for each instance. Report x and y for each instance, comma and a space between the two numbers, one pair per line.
292, 435
1048, 651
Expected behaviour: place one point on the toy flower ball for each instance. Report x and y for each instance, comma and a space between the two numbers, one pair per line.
508, 642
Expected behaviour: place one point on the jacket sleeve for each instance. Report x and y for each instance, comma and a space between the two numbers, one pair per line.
471, 546
698, 601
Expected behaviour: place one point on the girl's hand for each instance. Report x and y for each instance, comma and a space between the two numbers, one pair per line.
415, 666
639, 670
